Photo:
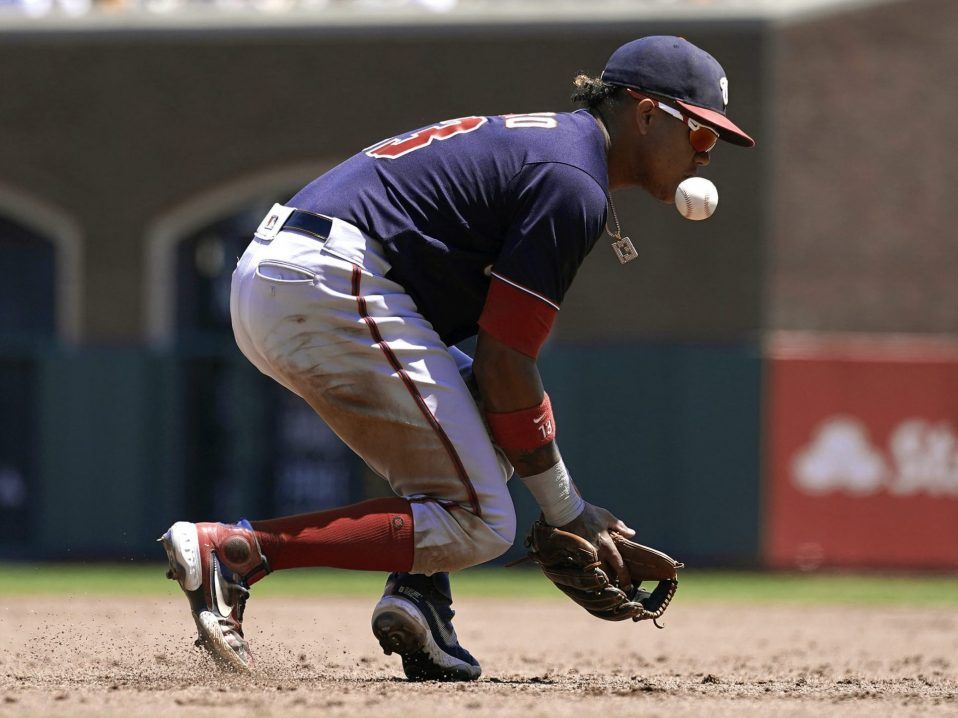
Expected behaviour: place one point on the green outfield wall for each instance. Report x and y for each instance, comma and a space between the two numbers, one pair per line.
665, 433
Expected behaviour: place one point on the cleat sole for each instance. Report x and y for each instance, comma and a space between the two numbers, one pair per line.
173, 570
397, 634
400, 628
211, 638
182, 546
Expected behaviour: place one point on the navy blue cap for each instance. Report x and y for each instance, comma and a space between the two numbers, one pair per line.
674, 68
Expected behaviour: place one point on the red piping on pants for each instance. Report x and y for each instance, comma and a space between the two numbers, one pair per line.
414, 392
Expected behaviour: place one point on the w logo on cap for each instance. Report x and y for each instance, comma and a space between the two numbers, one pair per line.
723, 83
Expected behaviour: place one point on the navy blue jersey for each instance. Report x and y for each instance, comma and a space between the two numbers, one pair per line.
520, 198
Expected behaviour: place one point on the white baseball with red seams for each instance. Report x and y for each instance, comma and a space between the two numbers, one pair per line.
696, 198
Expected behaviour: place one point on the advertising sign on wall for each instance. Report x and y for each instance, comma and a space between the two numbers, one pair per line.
861, 452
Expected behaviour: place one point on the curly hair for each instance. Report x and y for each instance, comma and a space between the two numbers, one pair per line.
593, 92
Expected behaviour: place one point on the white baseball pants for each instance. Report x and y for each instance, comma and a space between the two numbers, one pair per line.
322, 319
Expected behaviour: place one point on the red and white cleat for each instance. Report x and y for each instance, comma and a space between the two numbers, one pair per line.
213, 563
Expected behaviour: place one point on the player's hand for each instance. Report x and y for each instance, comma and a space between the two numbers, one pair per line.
594, 525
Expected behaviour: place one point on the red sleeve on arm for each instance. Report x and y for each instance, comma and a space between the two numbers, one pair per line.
517, 317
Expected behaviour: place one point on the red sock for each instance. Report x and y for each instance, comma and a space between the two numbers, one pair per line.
375, 535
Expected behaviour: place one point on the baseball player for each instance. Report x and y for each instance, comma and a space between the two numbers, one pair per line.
354, 294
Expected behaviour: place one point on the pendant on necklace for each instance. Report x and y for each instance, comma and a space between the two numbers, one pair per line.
624, 250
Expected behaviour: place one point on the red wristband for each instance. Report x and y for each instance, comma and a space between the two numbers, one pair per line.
523, 430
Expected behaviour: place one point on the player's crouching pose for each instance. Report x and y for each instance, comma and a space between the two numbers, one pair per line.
353, 295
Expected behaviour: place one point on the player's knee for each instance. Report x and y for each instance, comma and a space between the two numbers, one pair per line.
498, 535
451, 540
488, 548
505, 528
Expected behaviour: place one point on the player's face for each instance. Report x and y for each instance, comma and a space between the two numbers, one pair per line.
676, 159
667, 156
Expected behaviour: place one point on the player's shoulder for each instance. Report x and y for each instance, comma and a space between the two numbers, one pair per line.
533, 127
568, 178
564, 149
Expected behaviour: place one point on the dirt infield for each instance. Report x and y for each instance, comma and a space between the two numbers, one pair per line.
130, 657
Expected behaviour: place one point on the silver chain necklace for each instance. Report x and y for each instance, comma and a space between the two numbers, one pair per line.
622, 246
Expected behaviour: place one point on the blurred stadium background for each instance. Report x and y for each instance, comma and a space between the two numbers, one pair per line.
776, 387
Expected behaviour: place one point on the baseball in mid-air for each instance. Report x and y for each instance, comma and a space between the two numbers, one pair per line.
696, 198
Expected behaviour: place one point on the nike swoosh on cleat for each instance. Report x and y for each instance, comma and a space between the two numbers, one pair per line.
218, 598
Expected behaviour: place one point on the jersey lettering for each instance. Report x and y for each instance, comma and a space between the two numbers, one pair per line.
541, 120
398, 146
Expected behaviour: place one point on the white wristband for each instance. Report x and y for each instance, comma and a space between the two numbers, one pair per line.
553, 491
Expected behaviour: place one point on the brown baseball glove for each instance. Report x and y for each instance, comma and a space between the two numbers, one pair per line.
573, 565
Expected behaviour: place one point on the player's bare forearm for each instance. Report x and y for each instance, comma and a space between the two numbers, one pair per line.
535, 462
509, 381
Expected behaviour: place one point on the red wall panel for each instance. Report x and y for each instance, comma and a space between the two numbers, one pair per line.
861, 439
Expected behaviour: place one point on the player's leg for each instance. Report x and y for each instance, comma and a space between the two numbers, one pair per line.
217, 563
409, 599
405, 408
399, 629
352, 344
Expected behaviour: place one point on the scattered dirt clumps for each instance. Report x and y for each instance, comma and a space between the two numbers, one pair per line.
85, 656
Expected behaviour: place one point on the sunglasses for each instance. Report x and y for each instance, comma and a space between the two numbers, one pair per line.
701, 137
